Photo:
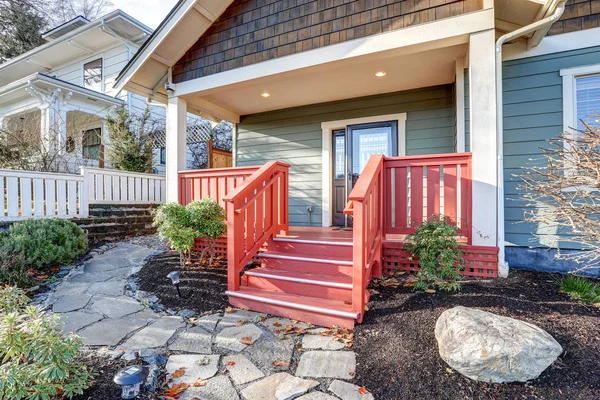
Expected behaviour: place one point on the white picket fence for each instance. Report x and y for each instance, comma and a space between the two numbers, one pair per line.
26, 194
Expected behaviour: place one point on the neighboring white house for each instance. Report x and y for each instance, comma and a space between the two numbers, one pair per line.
65, 87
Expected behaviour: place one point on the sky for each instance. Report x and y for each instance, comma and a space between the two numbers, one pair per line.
150, 12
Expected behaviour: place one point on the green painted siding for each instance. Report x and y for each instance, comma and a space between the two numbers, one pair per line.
294, 136
533, 113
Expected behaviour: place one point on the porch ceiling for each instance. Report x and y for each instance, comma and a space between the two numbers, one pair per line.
339, 80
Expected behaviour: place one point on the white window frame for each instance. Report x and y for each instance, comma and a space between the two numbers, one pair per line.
327, 129
89, 60
569, 76
570, 122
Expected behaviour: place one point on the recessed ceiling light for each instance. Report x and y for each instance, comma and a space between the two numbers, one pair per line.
265, 94
380, 74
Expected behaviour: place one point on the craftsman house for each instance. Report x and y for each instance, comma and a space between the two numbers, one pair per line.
370, 115
62, 91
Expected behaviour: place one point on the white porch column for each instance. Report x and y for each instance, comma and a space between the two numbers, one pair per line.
62, 131
49, 126
484, 145
175, 145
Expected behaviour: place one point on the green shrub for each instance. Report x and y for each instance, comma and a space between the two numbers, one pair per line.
440, 258
12, 269
37, 360
180, 225
581, 288
46, 242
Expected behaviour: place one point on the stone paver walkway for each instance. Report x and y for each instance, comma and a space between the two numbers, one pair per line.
240, 354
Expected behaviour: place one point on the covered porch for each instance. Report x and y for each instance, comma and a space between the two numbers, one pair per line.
375, 134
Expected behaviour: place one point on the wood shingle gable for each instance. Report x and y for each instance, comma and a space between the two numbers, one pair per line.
251, 31
579, 15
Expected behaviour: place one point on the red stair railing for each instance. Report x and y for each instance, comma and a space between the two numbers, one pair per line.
256, 211
366, 206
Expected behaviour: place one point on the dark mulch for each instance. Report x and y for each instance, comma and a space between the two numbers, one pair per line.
104, 370
398, 356
201, 286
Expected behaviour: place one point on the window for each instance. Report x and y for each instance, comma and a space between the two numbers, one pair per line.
581, 96
91, 143
587, 99
92, 75
162, 156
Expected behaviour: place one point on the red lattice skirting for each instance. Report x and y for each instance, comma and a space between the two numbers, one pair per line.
220, 247
480, 261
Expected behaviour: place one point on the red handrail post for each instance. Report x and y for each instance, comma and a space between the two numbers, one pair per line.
251, 222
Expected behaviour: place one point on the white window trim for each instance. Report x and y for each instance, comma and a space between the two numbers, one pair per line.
569, 75
89, 60
327, 128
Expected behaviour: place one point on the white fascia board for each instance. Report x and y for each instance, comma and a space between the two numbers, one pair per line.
37, 78
148, 48
73, 34
554, 44
448, 28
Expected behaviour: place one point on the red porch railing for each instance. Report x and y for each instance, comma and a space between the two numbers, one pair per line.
256, 211
417, 187
214, 183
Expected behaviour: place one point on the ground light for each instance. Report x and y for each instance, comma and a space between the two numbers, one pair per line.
130, 379
174, 277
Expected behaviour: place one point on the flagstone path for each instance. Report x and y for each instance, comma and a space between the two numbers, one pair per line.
236, 354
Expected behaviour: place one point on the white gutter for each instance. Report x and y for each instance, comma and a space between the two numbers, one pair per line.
539, 25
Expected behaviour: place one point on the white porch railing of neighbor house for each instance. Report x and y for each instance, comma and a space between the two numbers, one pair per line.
27, 194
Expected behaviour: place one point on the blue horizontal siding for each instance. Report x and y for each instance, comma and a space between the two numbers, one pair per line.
533, 114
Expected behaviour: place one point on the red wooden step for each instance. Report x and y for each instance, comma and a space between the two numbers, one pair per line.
312, 248
323, 286
306, 265
323, 312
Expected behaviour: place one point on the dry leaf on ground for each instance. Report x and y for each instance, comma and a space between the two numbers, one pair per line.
247, 340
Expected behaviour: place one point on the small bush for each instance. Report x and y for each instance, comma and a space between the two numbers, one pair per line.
46, 242
37, 361
440, 258
12, 269
581, 288
182, 225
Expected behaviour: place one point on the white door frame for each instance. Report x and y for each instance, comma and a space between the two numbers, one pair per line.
327, 128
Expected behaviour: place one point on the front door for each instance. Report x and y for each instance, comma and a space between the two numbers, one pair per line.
352, 149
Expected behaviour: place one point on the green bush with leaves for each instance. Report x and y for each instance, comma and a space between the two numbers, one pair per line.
180, 225
45, 242
440, 258
37, 360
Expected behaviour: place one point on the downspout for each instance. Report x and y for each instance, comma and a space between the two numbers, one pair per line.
541, 24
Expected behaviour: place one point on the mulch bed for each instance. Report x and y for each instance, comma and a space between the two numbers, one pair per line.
104, 370
398, 355
201, 286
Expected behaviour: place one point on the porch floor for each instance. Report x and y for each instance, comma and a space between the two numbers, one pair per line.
318, 233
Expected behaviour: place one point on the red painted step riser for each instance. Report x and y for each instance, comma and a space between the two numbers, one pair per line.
299, 315
312, 250
306, 267
302, 289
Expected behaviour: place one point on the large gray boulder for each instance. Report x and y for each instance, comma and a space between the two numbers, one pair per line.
490, 348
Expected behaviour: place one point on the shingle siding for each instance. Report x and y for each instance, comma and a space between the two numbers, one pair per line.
294, 136
533, 113
578, 15
251, 31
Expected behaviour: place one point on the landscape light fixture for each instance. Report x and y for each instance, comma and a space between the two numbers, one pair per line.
130, 379
174, 277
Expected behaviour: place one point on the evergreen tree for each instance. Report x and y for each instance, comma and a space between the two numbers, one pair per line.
130, 147
20, 28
